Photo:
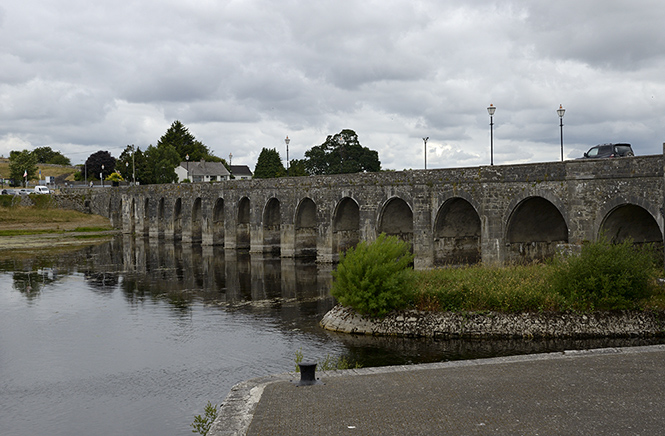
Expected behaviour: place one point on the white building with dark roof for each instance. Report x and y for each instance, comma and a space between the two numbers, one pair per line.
202, 172
241, 172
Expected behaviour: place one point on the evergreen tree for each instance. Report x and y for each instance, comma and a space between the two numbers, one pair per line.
186, 144
269, 165
297, 168
341, 153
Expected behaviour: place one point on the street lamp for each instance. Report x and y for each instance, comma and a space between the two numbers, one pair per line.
425, 141
490, 110
561, 111
187, 159
133, 166
287, 140
101, 175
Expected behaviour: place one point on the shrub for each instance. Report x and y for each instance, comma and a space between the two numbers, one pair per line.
9, 200
606, 276
42, 201
372, 278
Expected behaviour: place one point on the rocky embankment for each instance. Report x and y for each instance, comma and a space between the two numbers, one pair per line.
443, 325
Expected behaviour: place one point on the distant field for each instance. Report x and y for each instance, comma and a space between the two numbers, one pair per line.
47, 170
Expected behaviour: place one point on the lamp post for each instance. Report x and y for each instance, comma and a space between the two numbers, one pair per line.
425, 141
561, 111
133, 166
490, 110
101, 175
287, 140
187, 159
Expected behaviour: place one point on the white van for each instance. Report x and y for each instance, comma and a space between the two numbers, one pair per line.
41, 190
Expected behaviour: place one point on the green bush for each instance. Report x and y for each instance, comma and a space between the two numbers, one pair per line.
372, 278
606, 276
9, 200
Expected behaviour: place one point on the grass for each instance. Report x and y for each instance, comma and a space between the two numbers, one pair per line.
513, 288
32, 220
533, 288
603, 276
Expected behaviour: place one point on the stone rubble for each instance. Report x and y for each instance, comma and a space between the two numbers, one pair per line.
445, 325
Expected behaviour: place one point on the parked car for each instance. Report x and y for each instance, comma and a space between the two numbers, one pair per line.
41, 190
609, 150
24, 191
9, 192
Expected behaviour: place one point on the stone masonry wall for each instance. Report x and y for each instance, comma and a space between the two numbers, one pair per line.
581, 195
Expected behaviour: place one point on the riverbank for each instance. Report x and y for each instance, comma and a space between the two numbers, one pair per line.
496, 325
26, 229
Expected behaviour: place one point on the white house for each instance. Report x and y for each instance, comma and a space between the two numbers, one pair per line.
202, 171
241, 172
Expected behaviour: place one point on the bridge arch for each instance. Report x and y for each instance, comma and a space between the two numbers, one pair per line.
132, 215
177, 219
396, 219
218, 222
242, 223
146, 216
197, 221
161, 217
630, 221
457, 231
346, 225
534, 229
306, 228
272, 227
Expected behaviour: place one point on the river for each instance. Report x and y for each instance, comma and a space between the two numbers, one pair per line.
134, 337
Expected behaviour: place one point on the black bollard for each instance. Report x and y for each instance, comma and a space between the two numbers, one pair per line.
307, 374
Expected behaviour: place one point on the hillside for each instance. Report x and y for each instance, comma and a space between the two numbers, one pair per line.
60, 172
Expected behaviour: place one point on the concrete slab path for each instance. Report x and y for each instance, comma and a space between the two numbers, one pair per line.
617, 391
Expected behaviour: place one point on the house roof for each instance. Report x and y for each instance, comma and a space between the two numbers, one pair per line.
204, 168
241, 170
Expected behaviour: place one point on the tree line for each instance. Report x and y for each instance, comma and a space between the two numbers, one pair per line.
340, 153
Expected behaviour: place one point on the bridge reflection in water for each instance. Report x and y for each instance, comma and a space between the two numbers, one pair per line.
159, 267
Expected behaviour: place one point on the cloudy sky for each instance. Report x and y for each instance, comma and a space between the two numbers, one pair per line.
82, 76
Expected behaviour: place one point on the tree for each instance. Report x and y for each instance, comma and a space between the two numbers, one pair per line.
49, 156
132, 163
297, 168
269, 165
96, 160
186, 144
20, 163
340, 154
161, 162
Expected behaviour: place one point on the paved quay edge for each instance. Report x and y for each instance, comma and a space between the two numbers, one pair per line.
237, 411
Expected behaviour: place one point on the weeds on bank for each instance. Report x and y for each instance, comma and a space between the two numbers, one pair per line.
604, 276
203, 423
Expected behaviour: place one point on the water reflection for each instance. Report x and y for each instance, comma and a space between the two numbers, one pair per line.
292, 293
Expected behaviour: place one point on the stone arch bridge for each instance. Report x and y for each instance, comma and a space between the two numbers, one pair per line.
493, 214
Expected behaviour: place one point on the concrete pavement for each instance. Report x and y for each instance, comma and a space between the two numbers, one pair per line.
614, 391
